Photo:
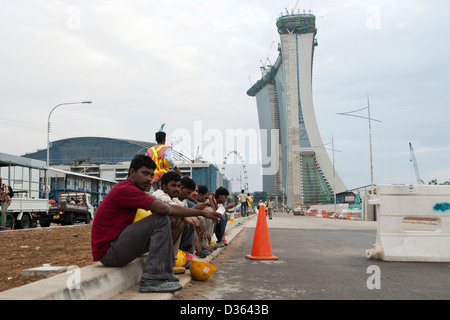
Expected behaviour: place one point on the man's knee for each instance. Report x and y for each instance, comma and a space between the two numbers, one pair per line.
156, 221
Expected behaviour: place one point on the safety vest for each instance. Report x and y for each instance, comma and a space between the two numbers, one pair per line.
157, 154
4, 195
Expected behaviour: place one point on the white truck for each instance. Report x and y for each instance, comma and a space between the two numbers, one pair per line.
24, 213
71, 208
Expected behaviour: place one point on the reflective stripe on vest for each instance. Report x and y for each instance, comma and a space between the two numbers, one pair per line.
158, 157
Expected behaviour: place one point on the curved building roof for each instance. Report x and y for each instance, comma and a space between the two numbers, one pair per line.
298, 23
74, 151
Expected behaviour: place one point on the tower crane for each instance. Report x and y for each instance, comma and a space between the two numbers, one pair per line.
413, 160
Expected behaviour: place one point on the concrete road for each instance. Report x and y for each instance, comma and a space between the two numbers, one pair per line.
318, 259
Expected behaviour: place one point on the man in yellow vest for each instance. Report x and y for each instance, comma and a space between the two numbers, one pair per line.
162, 155
249, 203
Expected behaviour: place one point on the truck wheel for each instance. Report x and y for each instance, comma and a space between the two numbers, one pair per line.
25, 222
44, 224
71, 219
88, 219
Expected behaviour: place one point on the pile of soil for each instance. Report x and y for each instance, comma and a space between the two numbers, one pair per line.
56, 246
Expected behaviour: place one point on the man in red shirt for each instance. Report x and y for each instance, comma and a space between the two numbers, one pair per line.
116, 240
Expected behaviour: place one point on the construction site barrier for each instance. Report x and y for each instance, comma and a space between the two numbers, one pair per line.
413, 223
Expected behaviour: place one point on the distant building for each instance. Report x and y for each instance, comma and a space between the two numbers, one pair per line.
22, 174
27, 178
284, 101
66, 181
109, 159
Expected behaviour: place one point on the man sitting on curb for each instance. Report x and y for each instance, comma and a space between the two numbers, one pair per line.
220, 198
206, 197
190, 238
203, 234
174, 191
116, 240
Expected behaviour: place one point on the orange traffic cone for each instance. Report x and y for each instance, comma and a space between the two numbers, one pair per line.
348, 215
261, 250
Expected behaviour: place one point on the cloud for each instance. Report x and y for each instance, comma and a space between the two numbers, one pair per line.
144, 63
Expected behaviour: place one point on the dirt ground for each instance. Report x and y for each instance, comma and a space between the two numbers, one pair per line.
56, 246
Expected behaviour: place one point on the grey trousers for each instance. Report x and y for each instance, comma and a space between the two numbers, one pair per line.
4, 210
209, 226
187, 242
151, 234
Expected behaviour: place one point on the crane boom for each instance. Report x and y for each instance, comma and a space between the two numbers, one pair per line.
413, 160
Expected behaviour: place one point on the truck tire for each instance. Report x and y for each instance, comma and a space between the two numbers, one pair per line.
88, 219
44, 224
70, 219
25, 222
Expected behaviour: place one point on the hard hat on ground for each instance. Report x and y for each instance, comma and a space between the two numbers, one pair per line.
201, 270
181, 259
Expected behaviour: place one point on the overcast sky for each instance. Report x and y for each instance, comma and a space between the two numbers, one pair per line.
189, 64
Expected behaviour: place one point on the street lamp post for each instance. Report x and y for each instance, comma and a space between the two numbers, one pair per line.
370, 135
48, 140
334, 176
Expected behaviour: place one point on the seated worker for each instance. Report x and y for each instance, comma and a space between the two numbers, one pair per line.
191, 232
220, 198
174, 193
203, 234
192, 198
116, 240
162, 155
204, 196
188, 232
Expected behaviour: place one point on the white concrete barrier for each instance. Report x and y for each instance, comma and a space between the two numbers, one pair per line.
397, 206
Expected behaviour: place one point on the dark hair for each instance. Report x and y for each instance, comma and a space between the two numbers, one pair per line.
169, 176
221, 191
202, 189
160, 136
188, 183
141, 160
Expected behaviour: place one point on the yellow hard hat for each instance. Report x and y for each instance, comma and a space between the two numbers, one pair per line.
181, 259
141, 213
165, 163
201, 270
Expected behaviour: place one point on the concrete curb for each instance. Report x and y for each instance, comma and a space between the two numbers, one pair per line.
232, 230
96, 282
